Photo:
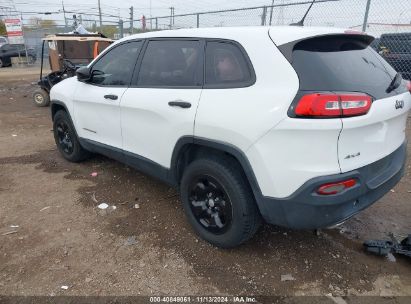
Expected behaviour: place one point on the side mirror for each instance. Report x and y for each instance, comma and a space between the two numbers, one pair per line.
83, 74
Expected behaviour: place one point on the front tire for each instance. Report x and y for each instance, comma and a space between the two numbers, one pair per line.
41, 98
66, 138
218, 202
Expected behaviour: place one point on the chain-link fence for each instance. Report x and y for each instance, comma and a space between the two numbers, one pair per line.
388, 21
383, 16
33, 35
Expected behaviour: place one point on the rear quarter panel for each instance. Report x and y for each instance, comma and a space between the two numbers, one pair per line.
293, 152
283, 152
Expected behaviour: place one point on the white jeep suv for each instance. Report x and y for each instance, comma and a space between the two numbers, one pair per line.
301, 127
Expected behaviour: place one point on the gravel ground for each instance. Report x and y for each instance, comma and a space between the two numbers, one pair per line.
63, 239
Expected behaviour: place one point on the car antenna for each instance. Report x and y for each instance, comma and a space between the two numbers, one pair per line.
301, 22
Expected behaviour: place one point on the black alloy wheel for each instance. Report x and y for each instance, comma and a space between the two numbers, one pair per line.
218, 202
64, 138
210, 204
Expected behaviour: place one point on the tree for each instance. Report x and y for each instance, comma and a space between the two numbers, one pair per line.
38, 22
109, 30
34, 21
3, 31
48, 23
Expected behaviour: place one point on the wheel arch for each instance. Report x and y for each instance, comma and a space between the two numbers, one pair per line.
57, 105
189, 148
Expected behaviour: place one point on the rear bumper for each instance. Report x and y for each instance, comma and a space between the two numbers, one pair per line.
305, 209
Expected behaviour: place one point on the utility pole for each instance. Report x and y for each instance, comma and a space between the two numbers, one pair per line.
151, 18
280, 20
264, 15
271, 11
171, 16
131, 20
99, 14
65, 19
75, 22
121, 28
367, 10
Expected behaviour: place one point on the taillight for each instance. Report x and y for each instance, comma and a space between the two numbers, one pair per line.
409, 86
318, 105
354, 105
335, 188
327, 105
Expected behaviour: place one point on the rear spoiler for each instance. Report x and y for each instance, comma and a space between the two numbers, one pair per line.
287, 48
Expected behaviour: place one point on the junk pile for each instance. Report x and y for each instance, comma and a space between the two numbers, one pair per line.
383, 247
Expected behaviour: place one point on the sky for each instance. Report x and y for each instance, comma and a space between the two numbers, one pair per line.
345, 13
141, 7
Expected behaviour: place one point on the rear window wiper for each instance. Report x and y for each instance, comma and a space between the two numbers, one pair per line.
395, 83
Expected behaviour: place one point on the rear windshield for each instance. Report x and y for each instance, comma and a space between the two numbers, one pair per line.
338, 63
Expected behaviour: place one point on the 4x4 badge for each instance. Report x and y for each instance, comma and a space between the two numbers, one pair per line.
399, 104
352, 155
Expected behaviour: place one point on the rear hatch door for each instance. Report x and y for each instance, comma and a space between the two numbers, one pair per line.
346, 63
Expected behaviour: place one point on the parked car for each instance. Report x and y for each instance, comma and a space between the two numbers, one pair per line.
8, 51
3, 40
301, 127
396, 49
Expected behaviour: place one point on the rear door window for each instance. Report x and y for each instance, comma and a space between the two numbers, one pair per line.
227, 66
171, 63
338, 63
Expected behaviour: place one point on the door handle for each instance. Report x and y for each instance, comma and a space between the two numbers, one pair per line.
110, 96
180, 103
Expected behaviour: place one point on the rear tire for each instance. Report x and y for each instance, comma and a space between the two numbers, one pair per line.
1, 63
66, 138
218, 202
41, 98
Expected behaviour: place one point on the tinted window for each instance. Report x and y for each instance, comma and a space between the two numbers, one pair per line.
115, 68
341, 64
13, 47
7, 47
226, 65
171, 63
399, 43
